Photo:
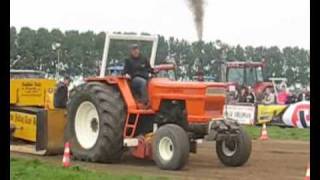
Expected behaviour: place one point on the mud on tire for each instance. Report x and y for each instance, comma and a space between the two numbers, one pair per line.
110, 109
235, 153
170, 147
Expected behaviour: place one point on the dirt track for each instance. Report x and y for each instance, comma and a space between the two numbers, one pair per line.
285, 160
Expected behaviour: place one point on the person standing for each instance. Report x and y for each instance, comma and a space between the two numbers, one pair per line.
269, 97
61, 93
283, 96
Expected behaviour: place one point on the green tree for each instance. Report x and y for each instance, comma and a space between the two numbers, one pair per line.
81, 54
27, 49
13, 45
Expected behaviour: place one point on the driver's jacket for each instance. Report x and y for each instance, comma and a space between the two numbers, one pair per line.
137, 67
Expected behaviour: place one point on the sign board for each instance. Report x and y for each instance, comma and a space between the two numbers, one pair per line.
25, 125
243, 114
267, 113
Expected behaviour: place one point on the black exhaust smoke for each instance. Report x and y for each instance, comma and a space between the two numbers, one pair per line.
197, 9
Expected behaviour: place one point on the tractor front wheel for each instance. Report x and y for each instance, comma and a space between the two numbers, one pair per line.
96, 115
170, 147
234, 151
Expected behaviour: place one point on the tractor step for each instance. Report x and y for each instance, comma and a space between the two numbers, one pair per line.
132, 121
141, 111
130, 142
130, 125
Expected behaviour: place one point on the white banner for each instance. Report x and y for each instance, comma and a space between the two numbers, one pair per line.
244, 114
297, 115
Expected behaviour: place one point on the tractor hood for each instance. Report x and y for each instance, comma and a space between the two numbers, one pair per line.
203, 100
167, 83
176, 89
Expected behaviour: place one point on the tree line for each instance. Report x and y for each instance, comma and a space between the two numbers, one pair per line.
79, 53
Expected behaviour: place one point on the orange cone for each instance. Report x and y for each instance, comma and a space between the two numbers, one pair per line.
66, 155
307, 173
264, 133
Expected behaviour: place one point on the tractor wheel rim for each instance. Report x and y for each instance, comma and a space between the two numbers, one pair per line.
228, 149
166, 148
87, 124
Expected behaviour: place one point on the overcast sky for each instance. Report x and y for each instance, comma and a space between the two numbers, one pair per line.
245, 22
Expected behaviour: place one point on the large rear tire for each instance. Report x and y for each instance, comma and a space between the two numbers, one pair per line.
170, 147
96, 116
234, 152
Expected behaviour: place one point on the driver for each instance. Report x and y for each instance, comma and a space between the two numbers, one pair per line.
138, 69
251, 98
243, 95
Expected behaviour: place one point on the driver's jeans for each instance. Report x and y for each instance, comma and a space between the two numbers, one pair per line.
139, 86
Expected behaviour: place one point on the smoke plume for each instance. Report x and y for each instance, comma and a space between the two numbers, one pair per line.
197, 9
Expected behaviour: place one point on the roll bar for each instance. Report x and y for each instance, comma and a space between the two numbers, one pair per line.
111, 36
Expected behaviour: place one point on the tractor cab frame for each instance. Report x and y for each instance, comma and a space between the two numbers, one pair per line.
244, 73
110, 36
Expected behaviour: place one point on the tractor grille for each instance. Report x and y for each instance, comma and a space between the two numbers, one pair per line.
212, 91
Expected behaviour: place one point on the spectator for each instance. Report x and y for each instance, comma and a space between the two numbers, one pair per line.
304, 95
308, 95
292, 98
282, 97
61, 93
269, 97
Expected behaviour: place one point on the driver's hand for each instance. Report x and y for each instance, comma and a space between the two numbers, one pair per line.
127, 76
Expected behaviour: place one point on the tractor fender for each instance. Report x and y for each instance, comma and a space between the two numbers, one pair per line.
107, 79
121, 83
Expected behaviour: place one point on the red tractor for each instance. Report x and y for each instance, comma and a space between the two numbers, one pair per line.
104, 120
239, 73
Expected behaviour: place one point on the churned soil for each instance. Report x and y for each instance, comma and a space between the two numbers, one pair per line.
271, 159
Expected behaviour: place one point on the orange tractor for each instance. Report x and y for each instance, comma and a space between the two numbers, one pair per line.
104, 120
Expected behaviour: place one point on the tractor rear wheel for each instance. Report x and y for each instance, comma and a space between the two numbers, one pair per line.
170, 147
234, 151
96, 116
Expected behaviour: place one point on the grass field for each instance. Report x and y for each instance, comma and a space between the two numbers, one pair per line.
21, 169
275, 132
